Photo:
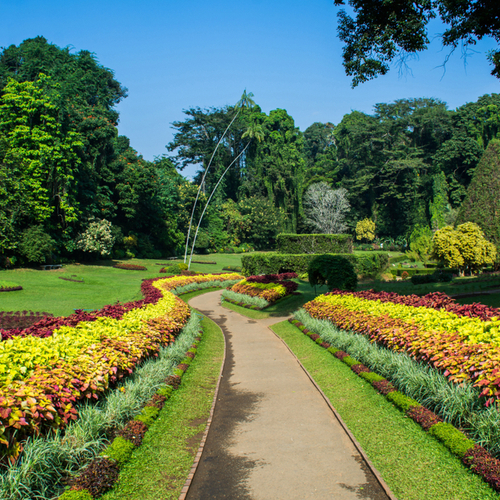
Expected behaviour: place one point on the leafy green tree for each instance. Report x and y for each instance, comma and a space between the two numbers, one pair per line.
384, 30
465, 247
420, 244
35, 245
39, 154
482, 202
262, 221
275, 166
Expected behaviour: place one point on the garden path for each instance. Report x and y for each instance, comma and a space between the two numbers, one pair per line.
273, 436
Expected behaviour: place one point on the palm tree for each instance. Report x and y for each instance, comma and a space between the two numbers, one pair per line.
246, 102
253, 131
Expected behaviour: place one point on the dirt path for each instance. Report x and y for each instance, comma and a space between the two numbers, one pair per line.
273, 436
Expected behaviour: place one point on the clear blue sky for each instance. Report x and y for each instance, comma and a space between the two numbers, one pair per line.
176, 54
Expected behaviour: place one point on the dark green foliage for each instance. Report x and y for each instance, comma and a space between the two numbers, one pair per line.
420, 272
452, 438
402, 401
482, 202
120, 450
76, 495
98, 477
35, 244
148, 415
273, 263
334, 271
371, 377
436, 277
314, 243
381, 32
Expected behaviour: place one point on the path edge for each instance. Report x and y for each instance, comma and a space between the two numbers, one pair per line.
354, 441
197, 458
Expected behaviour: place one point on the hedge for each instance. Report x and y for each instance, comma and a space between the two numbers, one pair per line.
314, 243
273, 263
412, 272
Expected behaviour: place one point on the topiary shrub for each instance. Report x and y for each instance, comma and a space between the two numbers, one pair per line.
371, 377
333, 271
148, 415
120, 450
402, 401
452, 438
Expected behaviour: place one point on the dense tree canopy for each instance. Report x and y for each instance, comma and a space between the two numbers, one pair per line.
382, 31
72, 187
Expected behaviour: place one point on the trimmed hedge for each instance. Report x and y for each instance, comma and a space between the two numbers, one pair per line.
369, 264
412, 272
314, 243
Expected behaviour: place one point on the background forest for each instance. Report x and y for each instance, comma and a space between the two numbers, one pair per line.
72, 188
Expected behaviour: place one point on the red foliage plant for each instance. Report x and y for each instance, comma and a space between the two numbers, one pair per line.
482, 463
130, 267
134, 432
423, 416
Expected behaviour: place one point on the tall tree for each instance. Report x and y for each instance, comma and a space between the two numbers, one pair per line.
385, 30
482, 202
275, 167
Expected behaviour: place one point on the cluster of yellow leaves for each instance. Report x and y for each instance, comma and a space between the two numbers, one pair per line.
268, 291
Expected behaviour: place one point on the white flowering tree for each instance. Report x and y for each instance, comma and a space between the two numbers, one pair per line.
325, 208
97, 238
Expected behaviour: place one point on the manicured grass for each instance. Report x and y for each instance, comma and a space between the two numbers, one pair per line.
103, 285
159, 467
283, 307
413, 463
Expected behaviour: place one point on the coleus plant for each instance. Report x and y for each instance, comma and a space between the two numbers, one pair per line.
41, 379
464, 348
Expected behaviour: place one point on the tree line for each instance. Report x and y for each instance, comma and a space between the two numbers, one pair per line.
72, 188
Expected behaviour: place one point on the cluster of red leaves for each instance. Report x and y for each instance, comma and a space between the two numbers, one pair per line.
98, 477
271, 278
434, 300
424, 417
357, 369
45, 327
130, 267
134, 432
446, 351
21, 319
482, 463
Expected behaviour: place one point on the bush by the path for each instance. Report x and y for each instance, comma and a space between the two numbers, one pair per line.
314, 243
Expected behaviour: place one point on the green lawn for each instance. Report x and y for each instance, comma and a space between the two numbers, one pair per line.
103, 285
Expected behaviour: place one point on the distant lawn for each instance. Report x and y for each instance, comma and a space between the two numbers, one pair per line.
102, 284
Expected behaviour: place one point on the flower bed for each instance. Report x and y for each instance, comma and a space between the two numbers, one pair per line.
267, 287
465, 348
7, 286
19, 320
130, 267
41, 378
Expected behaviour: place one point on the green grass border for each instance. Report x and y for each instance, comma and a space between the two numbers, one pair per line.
159, 467
414, 464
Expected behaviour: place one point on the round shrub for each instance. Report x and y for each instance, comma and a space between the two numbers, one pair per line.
334, 271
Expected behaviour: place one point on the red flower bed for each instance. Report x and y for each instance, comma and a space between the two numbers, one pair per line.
271, 278
130, 267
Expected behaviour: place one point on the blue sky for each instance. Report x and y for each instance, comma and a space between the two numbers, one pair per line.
177, 54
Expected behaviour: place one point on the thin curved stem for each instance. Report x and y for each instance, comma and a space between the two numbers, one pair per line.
201, 184
211, 194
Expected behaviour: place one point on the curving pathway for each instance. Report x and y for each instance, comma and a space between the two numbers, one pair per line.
273, 436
